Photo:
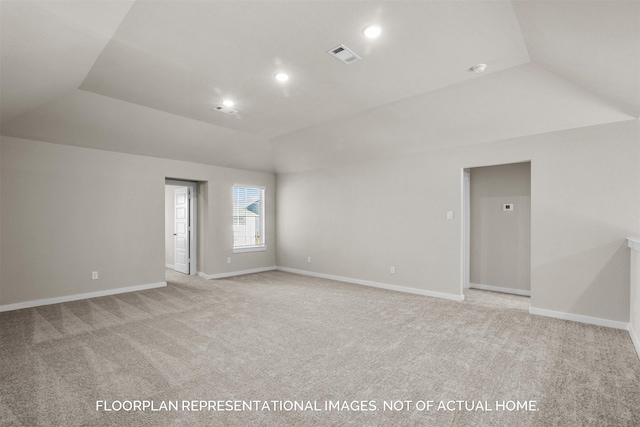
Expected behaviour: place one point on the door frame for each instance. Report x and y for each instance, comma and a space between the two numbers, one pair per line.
193, 221
465, 223
466, 229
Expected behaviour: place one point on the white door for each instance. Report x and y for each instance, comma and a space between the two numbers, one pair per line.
181, 230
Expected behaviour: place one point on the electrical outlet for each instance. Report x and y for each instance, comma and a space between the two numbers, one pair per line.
228, 260
392, 270
308, 259
94, 275
449, 215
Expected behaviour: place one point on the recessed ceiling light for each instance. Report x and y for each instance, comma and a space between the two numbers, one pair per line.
479, 68
282, 77
227, 103
372, 31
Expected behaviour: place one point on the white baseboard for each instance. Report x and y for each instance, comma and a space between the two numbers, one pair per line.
634, 339
69, 298
235, 273
499, 289
580, 318
376, 284
171, 266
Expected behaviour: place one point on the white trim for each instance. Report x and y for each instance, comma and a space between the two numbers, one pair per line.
634, 243
580, 318
261, 187
170, 266
466, 228
243, 249
193, 238
634, 339
76, 297
397, 288
263, 223
500, 289
235, 273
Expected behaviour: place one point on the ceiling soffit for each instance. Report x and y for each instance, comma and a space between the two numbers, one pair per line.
185, 57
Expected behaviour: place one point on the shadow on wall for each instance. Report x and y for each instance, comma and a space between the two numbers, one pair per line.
592, 283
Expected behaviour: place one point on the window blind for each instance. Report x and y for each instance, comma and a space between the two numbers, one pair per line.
248, 216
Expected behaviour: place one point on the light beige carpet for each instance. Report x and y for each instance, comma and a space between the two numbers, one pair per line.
284, 337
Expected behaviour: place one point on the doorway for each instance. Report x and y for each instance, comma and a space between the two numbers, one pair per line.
181, 221
497, 228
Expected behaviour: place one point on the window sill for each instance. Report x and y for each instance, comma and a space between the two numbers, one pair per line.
249, 249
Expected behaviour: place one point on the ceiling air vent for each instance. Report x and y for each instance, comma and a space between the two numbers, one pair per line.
344, 54
226, 110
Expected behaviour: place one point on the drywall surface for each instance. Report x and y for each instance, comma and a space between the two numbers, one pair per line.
501, 239
358, 220
203, 215
634, 309
1, 202
169, 214
77, 210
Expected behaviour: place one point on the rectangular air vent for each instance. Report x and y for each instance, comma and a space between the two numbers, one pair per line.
224, 109
344, 54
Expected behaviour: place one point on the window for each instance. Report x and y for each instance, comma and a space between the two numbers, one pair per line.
248, 218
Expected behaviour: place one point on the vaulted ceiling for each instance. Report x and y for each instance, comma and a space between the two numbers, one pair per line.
143, 77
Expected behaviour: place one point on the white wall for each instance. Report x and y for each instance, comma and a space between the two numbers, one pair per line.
357, 220
76, 210
635, 291
1, 203
634, 315
501, 240
203, 225
169, 213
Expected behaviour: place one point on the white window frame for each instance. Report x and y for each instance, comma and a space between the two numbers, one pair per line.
262, 246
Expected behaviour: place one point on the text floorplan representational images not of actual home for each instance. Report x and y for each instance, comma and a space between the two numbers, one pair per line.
320, 213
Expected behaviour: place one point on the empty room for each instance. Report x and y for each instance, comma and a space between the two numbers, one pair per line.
319, 213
